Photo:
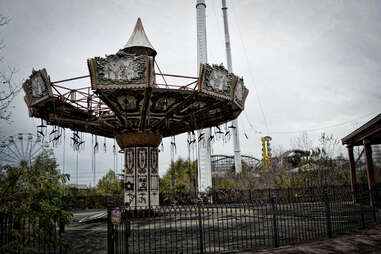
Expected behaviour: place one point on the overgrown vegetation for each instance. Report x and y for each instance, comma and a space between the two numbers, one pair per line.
323, 164
322, 167
109, 184
33, 195
179, 182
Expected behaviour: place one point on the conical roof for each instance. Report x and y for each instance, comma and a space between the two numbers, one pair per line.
138, 43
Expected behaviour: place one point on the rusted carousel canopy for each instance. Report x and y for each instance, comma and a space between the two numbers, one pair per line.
125, 96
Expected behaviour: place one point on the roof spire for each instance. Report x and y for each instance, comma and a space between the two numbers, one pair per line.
138, 43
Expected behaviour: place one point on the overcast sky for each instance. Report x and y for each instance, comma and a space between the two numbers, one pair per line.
310, 66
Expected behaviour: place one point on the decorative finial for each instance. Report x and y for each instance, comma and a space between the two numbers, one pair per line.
138, 43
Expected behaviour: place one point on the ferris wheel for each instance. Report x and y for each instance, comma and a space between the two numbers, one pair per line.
21, 150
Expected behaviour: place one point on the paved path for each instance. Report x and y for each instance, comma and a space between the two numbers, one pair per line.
86, 237
364, 242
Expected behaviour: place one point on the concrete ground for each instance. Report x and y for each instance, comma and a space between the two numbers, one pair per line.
86, 237
365, 242
92, 238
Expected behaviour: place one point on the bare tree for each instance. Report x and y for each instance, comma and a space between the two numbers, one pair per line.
8, 88
302, 141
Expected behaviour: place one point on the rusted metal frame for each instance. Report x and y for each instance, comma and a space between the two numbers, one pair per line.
162, 76
146, 100
70, 79
116, 111
370, 170
211, 107
352, 167
96, 130
367, 134
166, 85
62, 87
349, 138
186, 86
61, 93
176, 86
83, 99
219, 120
83, 88
72, 103
175, 76
100, 124
67, 94
81, 104
97, 106
170, 113
70, 90
78, 105
56, 90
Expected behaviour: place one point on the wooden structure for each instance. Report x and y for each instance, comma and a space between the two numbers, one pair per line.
367, 135
126, 102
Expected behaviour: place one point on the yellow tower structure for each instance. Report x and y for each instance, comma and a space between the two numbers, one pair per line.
266, 151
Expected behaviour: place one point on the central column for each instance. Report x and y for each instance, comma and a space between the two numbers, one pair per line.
141, 176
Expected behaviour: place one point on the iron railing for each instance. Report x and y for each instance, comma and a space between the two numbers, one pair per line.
80, 202
259, 223
21, 233
247, 195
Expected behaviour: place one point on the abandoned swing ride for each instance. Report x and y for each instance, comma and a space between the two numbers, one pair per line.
126, 102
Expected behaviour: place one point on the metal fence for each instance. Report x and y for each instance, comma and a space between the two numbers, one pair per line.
14, 231
91, 201
228, 227
247, 195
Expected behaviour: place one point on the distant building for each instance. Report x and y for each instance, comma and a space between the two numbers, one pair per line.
223, 163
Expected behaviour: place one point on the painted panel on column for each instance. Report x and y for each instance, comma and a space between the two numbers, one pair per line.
129, 184
142, 160
154, 161
154, 177
129, 179
130, 161
142, 184
142, 177
154, 183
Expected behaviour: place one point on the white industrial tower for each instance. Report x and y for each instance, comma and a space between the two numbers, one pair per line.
237, 148
204, 148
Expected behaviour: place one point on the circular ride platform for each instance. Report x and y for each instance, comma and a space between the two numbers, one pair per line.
125, 101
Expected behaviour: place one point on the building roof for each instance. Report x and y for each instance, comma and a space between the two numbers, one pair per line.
370, 131
138, 42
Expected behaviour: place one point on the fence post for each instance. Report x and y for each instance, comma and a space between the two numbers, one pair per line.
328, 215
288, 195
200, 227
373, 195
250, 196
127, 228
110, 232
275, 222
362, 212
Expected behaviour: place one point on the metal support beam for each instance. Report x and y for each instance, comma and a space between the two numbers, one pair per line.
369, 168
352, 167
236, 143
204, 148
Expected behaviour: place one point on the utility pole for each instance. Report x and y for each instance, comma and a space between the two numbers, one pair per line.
237, 148
204, 149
